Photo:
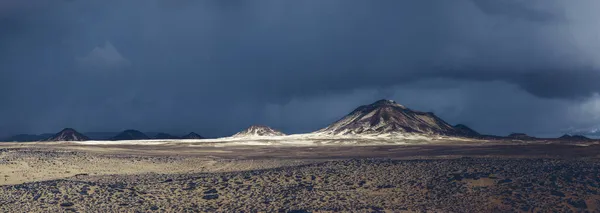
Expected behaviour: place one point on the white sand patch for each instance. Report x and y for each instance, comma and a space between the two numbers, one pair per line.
127, 142
310, 139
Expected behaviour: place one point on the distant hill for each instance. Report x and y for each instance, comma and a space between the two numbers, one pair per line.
68, 134
192, 135
27, 138
130, 134
90, 135
520, 136
259, 130
574, 138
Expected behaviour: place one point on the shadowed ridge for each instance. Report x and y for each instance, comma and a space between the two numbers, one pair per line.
130, 134
465, 130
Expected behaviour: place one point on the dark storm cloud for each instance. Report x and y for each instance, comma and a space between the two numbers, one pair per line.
549, 82
518, 9
215, 65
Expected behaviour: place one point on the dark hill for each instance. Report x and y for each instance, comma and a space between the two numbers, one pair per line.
192, 135
130, 134
68, 134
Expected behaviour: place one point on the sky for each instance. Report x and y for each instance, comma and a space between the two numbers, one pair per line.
216, 67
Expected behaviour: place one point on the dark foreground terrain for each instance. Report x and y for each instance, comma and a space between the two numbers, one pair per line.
455, 185
483, 181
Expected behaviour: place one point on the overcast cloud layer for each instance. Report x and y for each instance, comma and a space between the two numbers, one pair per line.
215, 67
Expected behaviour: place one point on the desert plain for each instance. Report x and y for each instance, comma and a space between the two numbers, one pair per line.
183, 177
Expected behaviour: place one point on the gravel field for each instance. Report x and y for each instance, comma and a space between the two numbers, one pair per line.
499, 178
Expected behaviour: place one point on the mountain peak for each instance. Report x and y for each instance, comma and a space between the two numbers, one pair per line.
259, 130
386, 102
68, 134
389, 117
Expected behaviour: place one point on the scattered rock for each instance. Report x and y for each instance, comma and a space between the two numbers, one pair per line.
580, 204
211, 191
557, 193
210, 196
66, 204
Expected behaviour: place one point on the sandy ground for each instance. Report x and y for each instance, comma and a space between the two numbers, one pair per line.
356, 185
184, 177
28, 162
29, 165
